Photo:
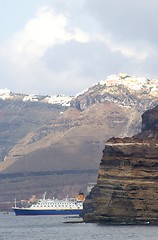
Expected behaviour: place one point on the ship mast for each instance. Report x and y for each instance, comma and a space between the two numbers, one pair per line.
15, 202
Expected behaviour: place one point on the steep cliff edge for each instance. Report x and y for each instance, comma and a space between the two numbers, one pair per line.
127, 186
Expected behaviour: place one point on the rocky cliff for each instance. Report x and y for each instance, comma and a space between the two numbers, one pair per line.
127, 186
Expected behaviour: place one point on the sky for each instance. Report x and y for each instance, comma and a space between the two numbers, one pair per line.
51, 47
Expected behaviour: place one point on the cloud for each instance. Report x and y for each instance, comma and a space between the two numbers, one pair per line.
67, 49
49, 28
25, 53
139, 53
41, 33
129, 20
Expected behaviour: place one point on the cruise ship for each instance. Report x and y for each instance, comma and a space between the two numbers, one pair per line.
43, 206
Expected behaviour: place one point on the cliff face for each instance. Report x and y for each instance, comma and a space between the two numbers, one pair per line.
127, 186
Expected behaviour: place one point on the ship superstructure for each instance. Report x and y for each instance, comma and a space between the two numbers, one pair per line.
52, 206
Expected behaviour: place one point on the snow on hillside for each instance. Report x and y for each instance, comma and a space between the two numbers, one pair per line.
5, 94
59, 99
133, 83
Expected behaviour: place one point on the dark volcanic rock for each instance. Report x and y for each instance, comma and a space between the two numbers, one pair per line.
150, 119
127, 186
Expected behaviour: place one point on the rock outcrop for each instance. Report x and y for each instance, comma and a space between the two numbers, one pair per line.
127, 186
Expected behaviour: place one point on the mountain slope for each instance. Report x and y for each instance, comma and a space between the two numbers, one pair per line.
61, 152
72, 130
17, 118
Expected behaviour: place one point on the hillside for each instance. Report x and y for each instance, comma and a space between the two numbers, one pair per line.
17, 118
58, 145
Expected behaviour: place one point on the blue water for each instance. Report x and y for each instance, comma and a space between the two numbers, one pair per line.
54, 227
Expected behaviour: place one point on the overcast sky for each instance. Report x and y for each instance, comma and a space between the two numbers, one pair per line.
64, 46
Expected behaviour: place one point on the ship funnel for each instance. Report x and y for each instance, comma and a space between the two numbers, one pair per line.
80, 197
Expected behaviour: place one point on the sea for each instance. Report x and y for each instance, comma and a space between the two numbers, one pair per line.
64, 228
